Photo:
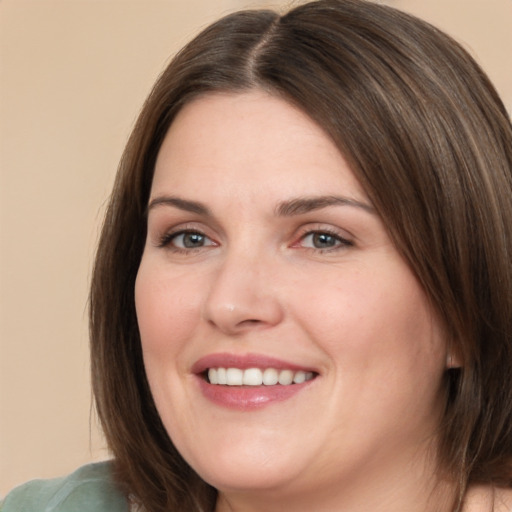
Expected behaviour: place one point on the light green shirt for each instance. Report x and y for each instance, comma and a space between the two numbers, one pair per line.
89, 489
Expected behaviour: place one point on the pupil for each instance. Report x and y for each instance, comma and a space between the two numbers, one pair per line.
322, 240
191, 240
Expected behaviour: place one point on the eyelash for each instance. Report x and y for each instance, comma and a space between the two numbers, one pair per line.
166, 241
341, 243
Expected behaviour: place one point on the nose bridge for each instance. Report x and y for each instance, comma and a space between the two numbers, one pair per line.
242, 293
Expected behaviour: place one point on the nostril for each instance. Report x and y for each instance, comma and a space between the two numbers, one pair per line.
250, 310
250, 321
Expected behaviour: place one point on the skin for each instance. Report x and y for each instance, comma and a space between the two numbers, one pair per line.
362, 435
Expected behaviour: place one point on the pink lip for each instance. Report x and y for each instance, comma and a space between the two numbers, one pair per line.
246, 398
244, 361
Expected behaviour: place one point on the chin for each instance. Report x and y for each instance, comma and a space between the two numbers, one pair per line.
245, 478
248, 469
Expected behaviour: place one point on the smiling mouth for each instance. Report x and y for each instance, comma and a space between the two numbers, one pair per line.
256, 377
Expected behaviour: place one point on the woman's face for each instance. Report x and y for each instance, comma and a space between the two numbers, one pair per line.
266, 261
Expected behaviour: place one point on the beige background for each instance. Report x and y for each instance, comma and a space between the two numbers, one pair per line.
73, 75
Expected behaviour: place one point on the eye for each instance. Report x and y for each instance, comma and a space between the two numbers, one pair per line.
323, 240
186, 240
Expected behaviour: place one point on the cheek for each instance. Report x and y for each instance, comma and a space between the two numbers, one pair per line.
166, 311
167, 317
376, 319
387, 352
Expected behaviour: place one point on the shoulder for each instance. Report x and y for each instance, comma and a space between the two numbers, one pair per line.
89, 489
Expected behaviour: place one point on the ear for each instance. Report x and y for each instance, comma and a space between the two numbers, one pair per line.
453, 359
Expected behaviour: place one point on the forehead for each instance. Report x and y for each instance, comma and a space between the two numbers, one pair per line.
253, 139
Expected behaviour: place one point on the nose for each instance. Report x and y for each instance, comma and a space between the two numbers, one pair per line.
243, 296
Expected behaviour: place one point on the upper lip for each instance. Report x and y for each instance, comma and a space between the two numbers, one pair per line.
245, 361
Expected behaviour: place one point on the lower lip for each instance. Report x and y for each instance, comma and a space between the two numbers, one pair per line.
249, 397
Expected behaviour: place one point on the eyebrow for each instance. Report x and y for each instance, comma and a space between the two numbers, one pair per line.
182, 204
302, 205
297, 206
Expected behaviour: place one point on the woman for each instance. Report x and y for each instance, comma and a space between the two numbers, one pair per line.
302, 297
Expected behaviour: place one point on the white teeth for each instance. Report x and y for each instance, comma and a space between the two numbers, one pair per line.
285, 377
257, 377
213, 376
270, 377
299, 378
234, 376
253, 377
221, 376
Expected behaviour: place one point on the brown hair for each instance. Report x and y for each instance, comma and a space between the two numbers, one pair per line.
430, 141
